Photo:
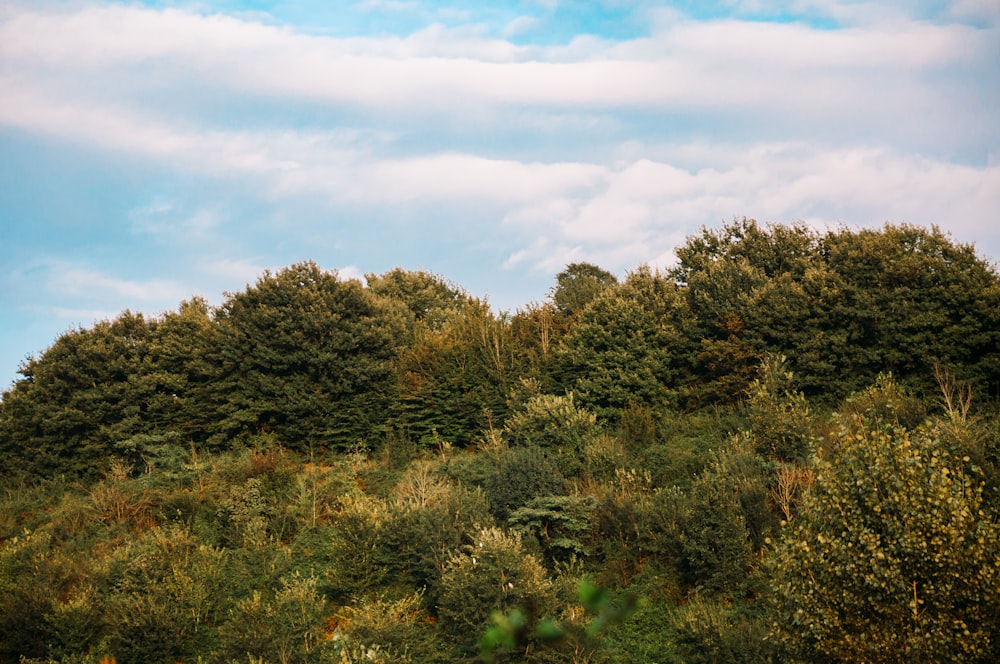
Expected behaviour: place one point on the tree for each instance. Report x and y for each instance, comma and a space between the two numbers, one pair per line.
578, 285
182, 363
80, 397
306, 356
454, 377
924, 300
428, 298
625, 347
554, 424
891, 558
779, 418
843, 307
521, 475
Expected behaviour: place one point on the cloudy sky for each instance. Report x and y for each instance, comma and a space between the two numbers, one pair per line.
150, 151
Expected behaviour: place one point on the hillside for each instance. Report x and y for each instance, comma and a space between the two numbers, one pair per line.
785, 448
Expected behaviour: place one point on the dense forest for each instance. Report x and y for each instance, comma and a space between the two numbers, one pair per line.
785, 448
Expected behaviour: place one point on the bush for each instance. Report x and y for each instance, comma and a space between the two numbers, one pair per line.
492, 574
357, 550
521, 475
554, 424
711, 631
420, 536
779, 417
891, 557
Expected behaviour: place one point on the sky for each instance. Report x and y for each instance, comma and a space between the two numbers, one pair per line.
154, 151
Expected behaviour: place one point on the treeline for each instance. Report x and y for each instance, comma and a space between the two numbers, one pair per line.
785, 448
325, 363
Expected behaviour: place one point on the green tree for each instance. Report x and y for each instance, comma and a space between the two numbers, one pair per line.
427, 298
843, 307
554, 424
625, 347
182, 363
578, 285
779, 418
306, 356
80, 397
429, 519
891, 557
454, 377
536, 332
923, 300
521, 475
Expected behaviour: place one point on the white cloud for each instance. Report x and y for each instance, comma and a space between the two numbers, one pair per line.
687, 63
350, 272
647, 208
163, 219
856, 124
520, 25
86, 285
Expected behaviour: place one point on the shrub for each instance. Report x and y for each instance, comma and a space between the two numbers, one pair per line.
493, 574
891, 557
521, 475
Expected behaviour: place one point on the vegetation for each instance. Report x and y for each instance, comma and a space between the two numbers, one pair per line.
786, 448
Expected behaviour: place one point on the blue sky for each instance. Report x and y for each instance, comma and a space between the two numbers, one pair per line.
153, 151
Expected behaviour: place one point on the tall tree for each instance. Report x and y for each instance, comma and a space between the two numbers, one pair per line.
923, 300
455, 377
182, 363
625, 347
578, 285
428, 298
842, 307
79, 398
307, 356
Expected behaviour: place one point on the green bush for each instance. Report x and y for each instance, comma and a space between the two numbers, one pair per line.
492, 574
357, 557
716, 632
891, 557
554, 424
779, 417
560, 524
714, 543
420, 536
521, 475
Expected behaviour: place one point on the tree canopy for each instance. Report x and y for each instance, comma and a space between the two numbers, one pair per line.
784, 448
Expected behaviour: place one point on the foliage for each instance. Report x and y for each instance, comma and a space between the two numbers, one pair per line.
425, 527
454, 377
428, 298
779, 418
492, 574
578, 285
891, 557
520, 476
843, 306
625, 347
560, 524
390, 628
715, 546
712, 631
321, 470
306, 356
554, 424
356, 564
283, 626
511, 632
79, 398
